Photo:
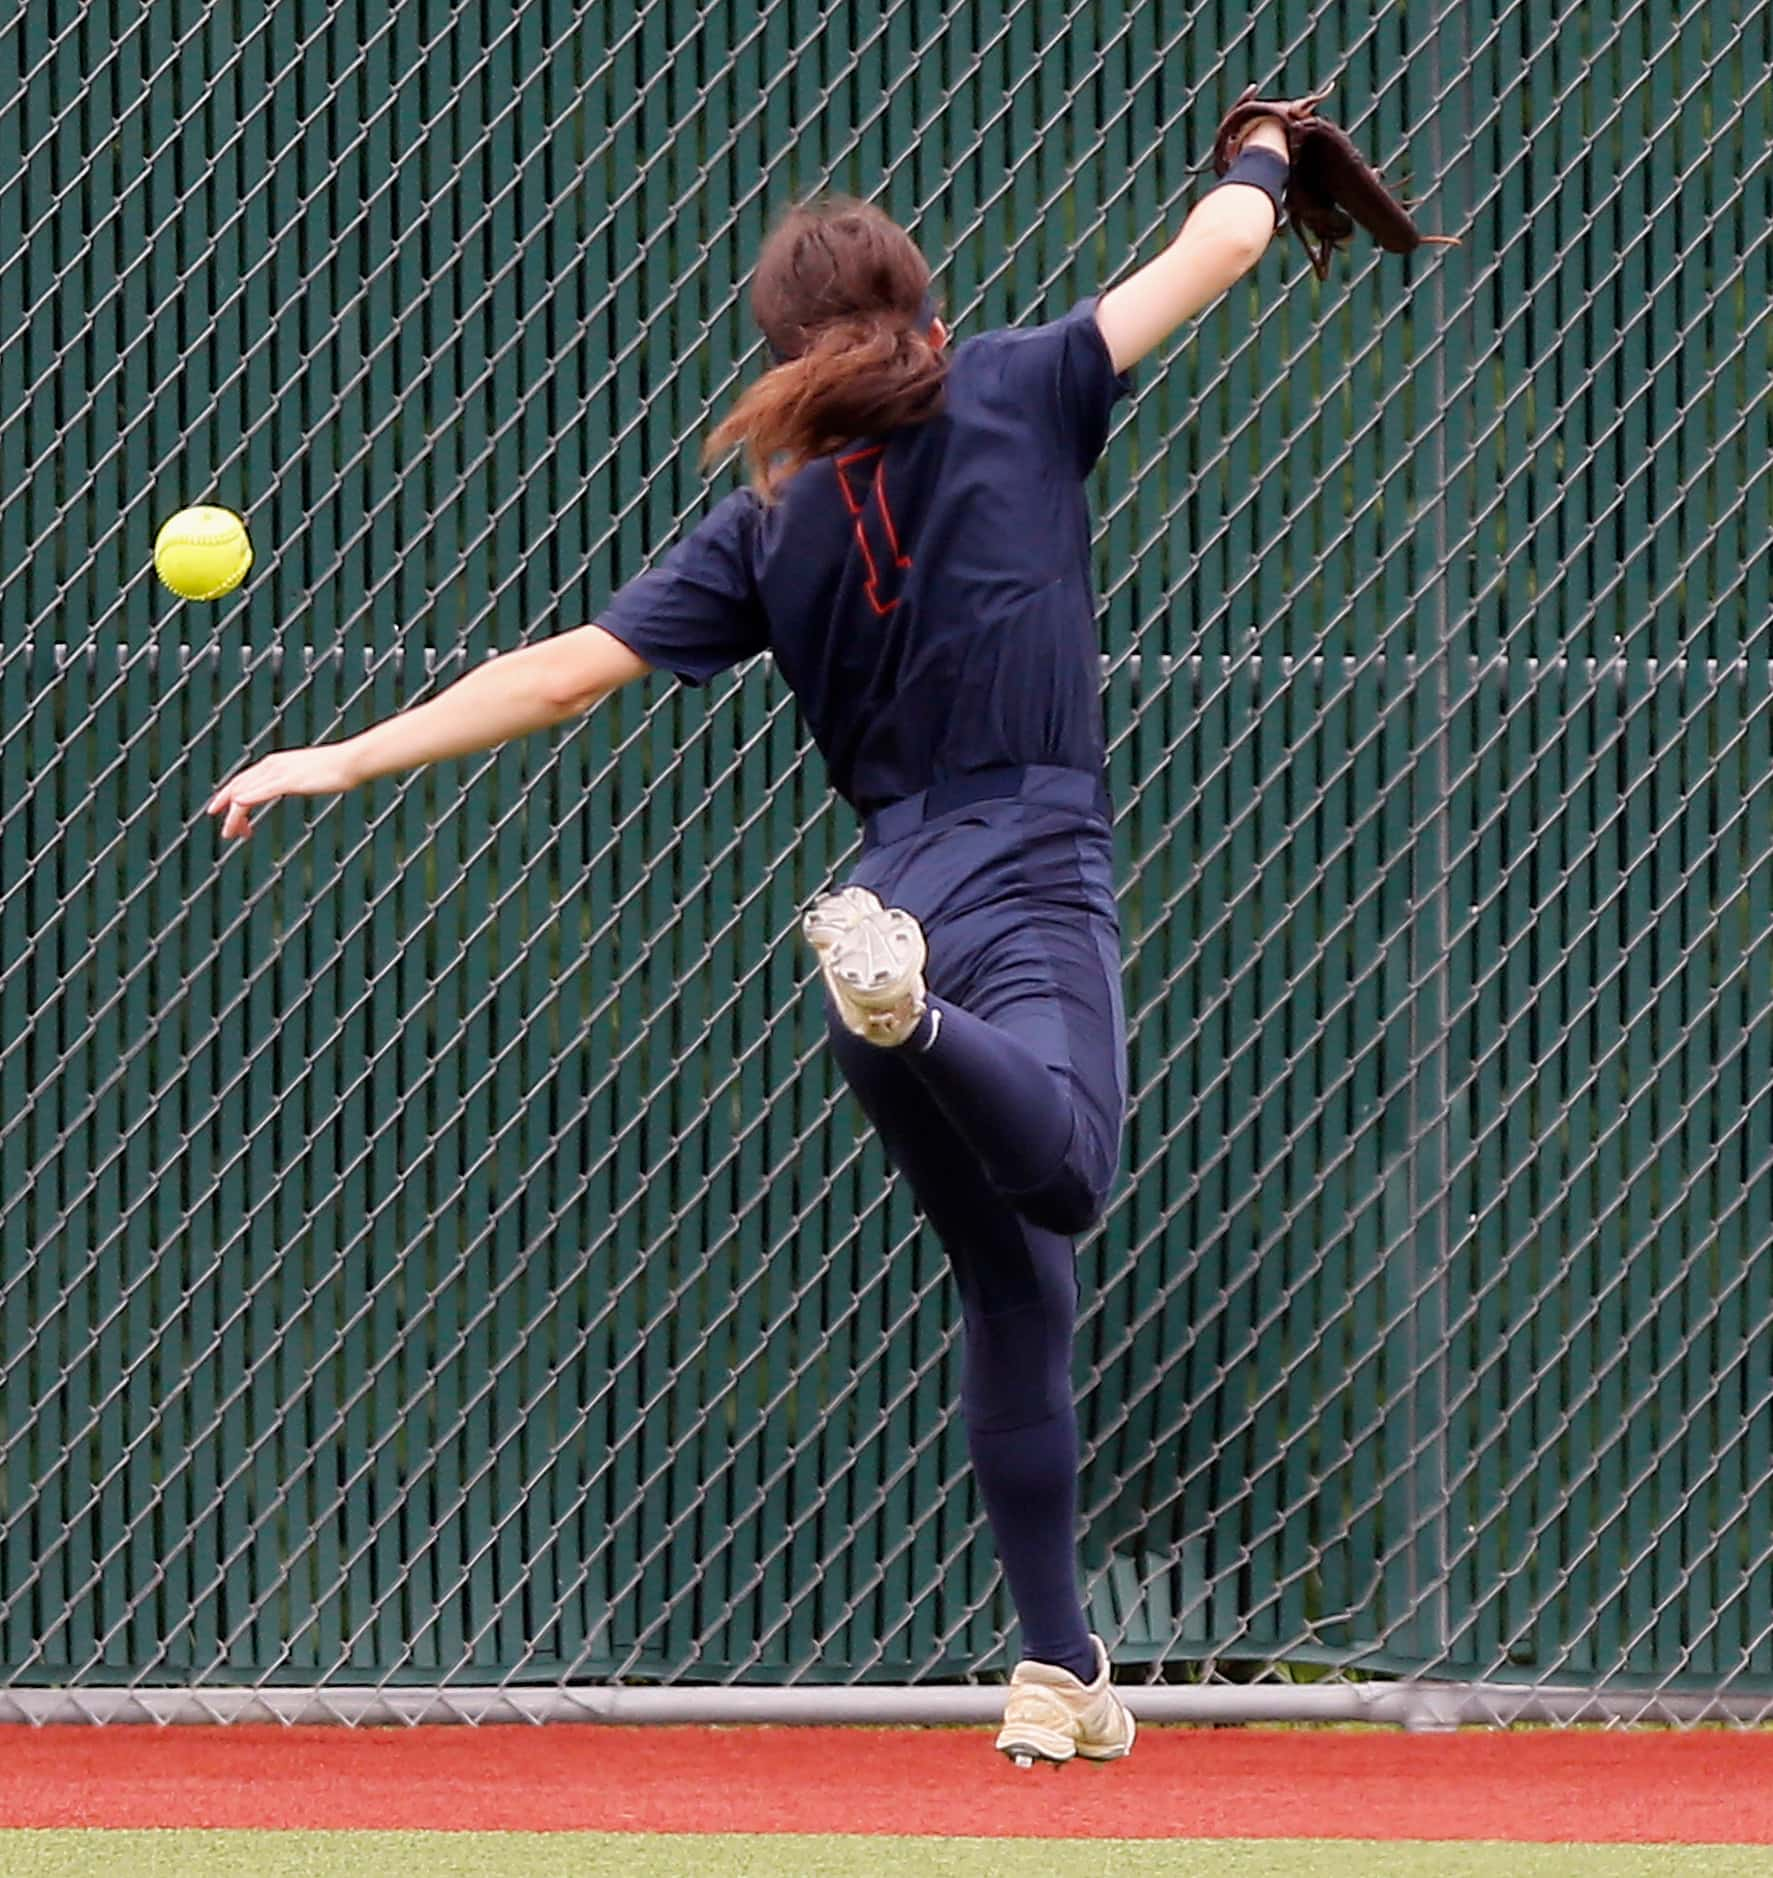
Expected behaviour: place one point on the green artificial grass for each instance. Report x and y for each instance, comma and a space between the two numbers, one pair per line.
194, 1854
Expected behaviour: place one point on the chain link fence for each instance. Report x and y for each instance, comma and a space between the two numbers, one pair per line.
436, 1264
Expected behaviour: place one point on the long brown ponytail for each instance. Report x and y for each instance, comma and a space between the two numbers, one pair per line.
841, 293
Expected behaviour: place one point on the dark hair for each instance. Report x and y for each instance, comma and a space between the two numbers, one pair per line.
842, 295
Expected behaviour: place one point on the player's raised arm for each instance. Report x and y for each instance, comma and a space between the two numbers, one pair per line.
1295, 162
1222, 239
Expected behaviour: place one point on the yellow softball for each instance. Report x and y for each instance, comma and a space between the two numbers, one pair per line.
202, 553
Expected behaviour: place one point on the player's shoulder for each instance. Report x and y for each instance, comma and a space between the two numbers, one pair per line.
1002, 354
736, 517
729, 535
739, 509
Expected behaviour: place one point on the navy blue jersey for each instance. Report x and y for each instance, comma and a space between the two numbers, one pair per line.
927, 594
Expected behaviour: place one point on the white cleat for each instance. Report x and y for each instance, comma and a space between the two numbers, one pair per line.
1050, 1716
872, 958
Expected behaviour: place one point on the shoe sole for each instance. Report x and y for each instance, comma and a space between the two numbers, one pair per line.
877, 960
872, 956
1030, 1744
832, 915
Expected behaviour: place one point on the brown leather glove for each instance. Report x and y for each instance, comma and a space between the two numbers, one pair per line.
1330, 186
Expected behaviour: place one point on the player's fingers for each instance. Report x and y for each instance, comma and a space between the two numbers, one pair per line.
263, 783
229, 793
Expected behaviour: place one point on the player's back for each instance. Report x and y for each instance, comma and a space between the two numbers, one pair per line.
928, 594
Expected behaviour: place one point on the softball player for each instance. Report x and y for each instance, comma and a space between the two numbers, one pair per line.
914, 551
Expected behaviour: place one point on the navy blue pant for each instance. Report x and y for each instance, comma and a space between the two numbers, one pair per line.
1007, 1127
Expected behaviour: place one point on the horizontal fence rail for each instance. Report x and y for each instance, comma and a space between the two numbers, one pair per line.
440, 1274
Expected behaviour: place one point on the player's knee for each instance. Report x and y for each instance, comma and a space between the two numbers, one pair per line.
1070, 1203
1076, 1196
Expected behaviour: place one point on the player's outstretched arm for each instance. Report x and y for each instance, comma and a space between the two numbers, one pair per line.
1222, 239
509, 696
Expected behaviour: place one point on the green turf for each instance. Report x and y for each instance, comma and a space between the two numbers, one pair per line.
591, 1854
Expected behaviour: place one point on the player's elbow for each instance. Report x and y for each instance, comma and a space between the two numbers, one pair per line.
581, 667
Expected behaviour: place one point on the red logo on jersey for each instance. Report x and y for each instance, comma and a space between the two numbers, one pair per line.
865, 497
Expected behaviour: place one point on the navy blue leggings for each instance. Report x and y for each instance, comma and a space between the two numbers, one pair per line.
1007, 1128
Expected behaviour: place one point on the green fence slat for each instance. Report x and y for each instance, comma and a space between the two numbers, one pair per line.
434, 1247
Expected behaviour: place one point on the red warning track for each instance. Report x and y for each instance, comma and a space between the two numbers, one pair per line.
1696, 1788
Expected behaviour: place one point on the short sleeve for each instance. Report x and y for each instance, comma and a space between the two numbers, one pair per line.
697, 612
1062, 371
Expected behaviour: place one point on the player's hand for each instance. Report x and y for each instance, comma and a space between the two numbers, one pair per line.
323, 769
1267, 133
1270, 130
